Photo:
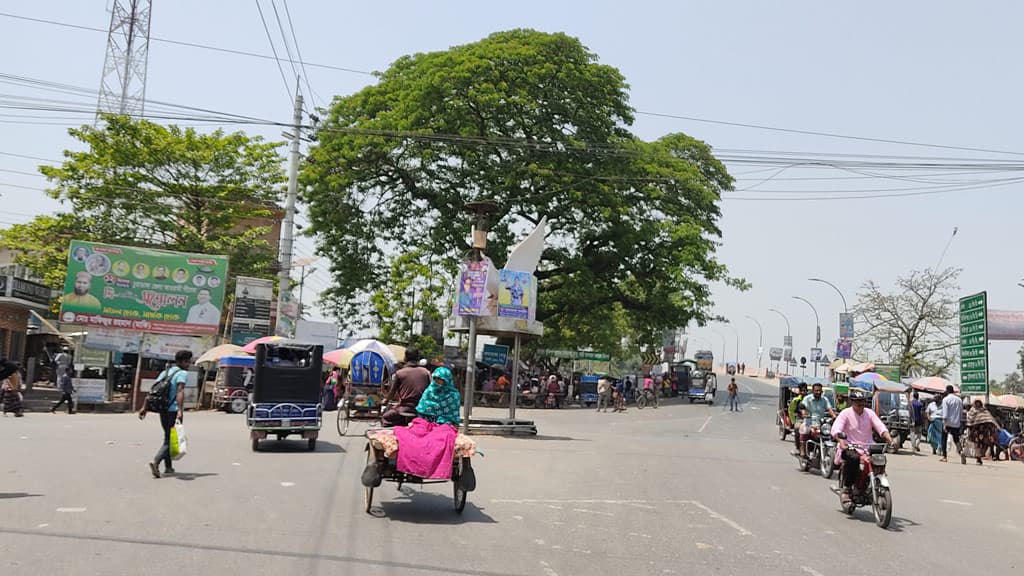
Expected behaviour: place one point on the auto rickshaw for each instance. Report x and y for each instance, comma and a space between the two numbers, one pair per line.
286, 392
588, 389
234, 380
703, 386
789, 387
891, 401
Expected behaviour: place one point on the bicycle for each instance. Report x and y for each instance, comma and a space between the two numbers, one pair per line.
646, 397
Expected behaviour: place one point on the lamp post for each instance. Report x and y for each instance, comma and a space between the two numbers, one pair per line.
482, 211
760, 342
789, 331
722, 336
817, 328
737, 333
838, 291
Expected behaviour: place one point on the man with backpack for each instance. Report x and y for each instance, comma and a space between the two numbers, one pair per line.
167, 397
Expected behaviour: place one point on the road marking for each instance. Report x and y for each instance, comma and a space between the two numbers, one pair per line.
703, 426
956, 502
571, 501
811, 571
585, 511
548, 571
287, 484
71, 509
639, 535
236, 463
742, 531
42, 525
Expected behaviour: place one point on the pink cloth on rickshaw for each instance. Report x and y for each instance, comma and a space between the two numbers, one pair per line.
385, 441
427, 449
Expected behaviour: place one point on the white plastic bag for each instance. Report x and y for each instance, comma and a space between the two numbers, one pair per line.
179, 442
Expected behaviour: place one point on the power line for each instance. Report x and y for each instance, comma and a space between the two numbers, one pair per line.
273, 49
183, 43
825, 134
298, 52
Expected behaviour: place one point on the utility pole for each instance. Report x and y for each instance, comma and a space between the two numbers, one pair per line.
288, 224
482, 211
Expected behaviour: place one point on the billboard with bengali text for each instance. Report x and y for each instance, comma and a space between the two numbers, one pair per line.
143, 289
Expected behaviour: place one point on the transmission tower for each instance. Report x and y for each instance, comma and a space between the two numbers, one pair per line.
123, 86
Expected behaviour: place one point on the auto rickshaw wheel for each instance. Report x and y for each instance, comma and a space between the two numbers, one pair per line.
237, 405
255, 444
343, 420
783, 432
311, 444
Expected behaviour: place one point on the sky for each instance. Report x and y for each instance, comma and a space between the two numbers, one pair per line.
927, 72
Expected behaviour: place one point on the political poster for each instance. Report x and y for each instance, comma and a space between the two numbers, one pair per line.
515, 294
472, 293
844, 348
165, 346
143, 289
775, 354
845, 325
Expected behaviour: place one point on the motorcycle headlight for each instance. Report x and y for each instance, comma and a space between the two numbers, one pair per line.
878, 460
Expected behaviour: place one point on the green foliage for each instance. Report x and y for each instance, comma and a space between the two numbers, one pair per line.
142, 184
533, 121
405, 295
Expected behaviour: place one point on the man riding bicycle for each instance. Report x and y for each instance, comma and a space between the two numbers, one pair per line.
813, 408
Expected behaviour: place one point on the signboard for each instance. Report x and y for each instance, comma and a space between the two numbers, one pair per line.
472, 289
495, 355
92, 357
30, 291
1005, 325
287, 315
165, 346
845, 325
143, 289
91, 390
515, 294
775, 353
815, 354
890, 371
588, 355
323, 333
250, 318
844, 348
787, 341
974, 344
124, 341
191, 386
569, 354
581, 355
787, 354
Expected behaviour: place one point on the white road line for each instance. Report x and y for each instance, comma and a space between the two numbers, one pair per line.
742, 531
287, 484
704, 425
585, 511
956, 502
811, 571
71, 509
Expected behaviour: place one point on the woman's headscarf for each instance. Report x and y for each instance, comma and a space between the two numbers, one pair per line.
441, 402
979, 415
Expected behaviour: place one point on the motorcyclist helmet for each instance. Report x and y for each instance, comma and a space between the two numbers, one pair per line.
859, 394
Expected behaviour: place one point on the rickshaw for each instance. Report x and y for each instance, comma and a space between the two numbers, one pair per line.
789, 387
382, 446
703, 386
285, 396
234, 381
363, 398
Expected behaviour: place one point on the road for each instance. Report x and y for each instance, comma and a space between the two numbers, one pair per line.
676, 490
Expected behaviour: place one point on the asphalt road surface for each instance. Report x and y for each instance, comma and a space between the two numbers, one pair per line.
682, 489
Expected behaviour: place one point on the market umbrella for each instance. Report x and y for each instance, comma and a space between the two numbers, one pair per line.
217, 352
398, 352
1008, 401
867, 380
862, 367
342, 357
932, 384
250, 348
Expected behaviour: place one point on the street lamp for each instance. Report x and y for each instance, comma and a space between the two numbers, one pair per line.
760, 342
737, 333
722, 336
817, 328
789, 334
838, 291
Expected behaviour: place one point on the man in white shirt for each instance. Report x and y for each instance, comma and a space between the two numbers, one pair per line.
952, 419
204, 312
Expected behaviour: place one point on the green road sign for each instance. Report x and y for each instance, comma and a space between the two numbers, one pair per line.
974, 344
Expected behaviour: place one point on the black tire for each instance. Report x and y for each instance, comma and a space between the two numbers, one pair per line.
641, 402
691, 400
1015, 450
804, 463
368, 490
783, 432
255, 444
311, 445
343, 420
883, 508
458, 494
903, 440
237, 405
829, 466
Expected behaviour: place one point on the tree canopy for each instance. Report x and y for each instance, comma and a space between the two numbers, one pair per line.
914, 326
143, 184
533, 121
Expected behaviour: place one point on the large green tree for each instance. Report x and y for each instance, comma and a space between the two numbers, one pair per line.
144, 184
534, 121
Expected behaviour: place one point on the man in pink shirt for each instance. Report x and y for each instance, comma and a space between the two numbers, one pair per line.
857, 422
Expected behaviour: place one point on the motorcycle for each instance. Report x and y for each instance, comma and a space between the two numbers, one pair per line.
872, 487
821, 449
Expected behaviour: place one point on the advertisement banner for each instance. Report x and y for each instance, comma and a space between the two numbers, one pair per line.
775, 354
515, 294
116, 340
844, 348
472, 289
815, 354
845, 325
250, 318
143, 289
787, 353
92, 357
91, 390
323, 333
287, 315
165, 346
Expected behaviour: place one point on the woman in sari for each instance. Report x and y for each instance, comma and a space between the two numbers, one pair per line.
441, 401
981, 428
934, 415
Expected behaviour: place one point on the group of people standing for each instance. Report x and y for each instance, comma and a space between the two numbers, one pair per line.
946, 416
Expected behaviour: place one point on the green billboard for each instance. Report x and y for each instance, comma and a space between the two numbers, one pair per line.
974, 344
143, 289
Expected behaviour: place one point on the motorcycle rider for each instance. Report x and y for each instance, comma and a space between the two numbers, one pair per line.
794, 406
857, 422
813, 408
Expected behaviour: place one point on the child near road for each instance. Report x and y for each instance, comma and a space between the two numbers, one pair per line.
734, 390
